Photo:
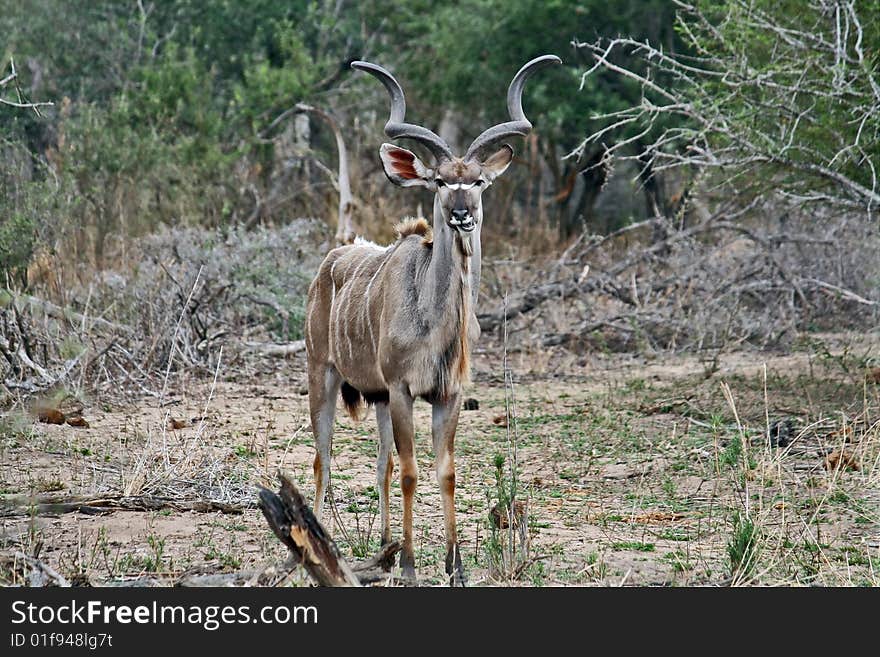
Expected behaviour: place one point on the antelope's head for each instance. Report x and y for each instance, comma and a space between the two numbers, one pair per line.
457, 182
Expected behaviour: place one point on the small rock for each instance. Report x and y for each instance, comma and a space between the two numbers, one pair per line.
781, 432
70, 406
471, 404
50, 416
174, 425
501, 518
840, 458
846, 432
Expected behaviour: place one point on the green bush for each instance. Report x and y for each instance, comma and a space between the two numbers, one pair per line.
17, 239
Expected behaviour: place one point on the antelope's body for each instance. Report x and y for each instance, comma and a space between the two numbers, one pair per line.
387, 325
379, 328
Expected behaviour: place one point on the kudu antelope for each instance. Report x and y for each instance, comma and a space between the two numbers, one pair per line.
386, 325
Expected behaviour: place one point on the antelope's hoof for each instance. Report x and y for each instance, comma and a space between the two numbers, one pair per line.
408, 570
457, 578
454, 568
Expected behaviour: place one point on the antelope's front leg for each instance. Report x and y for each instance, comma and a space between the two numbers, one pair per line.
444, 421
401, 406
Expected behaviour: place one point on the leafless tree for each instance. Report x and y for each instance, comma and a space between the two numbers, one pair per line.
20, 101
811, 103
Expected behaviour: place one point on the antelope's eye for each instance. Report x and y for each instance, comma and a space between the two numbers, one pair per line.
439, 182
480, 182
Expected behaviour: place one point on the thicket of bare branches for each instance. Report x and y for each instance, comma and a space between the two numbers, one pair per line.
754, 275
770, 126
172, 304
772, 100
20, 101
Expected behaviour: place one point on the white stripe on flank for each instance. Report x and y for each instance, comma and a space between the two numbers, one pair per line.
367, 305
311, 342
350, 284
362, 316
331, 332
361, 309
332, 286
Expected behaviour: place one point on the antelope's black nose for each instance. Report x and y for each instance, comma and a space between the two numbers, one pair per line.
462, 220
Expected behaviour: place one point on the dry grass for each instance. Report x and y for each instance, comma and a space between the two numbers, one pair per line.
723, 466
636, 475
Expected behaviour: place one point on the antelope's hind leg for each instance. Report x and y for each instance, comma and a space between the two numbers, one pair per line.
324, 384
384, 467
444, 421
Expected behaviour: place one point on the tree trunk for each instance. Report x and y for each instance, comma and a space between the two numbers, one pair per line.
577, 199
345, 232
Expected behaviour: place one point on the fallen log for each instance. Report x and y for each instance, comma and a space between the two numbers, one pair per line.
297, 527
13, 505
311, 546
276, 349
65, 314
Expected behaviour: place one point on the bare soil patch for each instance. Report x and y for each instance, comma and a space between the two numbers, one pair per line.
634, 471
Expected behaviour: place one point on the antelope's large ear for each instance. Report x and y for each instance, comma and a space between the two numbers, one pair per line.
497, 163
403, 167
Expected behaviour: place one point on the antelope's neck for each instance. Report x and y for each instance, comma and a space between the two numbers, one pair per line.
451, 278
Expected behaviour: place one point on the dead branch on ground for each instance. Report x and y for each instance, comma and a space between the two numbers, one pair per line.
33, 570
276, 349
296, 526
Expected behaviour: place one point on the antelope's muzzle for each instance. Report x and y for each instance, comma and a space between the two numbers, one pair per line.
462, 220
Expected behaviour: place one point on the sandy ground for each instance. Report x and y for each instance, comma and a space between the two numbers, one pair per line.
625, 465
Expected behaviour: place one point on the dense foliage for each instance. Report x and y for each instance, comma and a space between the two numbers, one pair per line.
166, 113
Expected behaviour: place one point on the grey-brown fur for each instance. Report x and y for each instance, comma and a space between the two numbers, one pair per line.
388, 316
396, 323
